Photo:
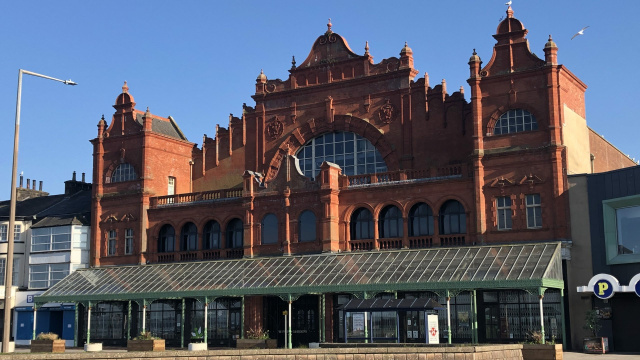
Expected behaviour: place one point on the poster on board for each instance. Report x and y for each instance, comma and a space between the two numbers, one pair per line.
432, 329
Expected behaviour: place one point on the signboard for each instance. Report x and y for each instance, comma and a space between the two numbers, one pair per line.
432, 329
605, 286
358, 324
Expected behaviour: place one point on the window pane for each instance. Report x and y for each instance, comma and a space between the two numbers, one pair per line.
270, 229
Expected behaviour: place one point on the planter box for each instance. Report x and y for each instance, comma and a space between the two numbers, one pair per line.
93, 347
52, 346
145, 345
597, 345
541, 352
197, 346
251, 343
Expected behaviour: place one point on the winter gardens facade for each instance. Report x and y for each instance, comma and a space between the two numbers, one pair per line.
349, 179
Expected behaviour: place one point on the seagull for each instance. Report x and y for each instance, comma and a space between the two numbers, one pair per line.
581, 32
508, 3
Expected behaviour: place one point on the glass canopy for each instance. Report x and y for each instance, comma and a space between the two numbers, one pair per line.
525, 266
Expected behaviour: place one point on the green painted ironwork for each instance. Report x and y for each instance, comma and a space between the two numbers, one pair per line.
182, 324
75, 325
35, 314
242, 320
289, 330
206, 319
323, 320
564, 329
448, 296
129, 320
474, 312
89, 322
527, 266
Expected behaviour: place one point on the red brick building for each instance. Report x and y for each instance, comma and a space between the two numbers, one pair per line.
347, 155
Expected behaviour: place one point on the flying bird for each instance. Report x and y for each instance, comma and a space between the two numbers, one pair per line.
581, 32
508, 3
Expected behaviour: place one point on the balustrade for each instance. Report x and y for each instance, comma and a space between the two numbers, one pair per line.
419, 242
361, 245
388, 244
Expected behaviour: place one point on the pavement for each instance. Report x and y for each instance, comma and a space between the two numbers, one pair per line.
617, 356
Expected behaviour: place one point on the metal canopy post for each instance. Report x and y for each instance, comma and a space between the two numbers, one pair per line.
541, 296
129, 320
344, 325
242, 320
397, 326
426, 328
564, 329
323, 321
289, 332
35, 311
182, 325
448, 318
144, 315
206, 319
89, 323
75, 325
371, 327
474, 312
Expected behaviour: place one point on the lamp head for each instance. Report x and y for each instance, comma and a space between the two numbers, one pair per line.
70, 82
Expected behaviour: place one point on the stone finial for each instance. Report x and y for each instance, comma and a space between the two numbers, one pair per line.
293, 62
366, 48
510, 12
125, 88
329, 31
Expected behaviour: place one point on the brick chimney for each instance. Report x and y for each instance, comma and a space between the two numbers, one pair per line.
73, 186
30, 191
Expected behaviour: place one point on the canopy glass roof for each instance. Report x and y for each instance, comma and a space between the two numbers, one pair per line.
523, 266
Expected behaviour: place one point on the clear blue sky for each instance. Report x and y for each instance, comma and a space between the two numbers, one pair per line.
197, 60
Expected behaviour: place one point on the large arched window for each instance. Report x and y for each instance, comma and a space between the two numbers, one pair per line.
211, 235
235, 234
515, 120
269, 229
189, 237
307, 226
453, 219
354, 154
390, 223
167, 239
361, 224
420, 220
124, 172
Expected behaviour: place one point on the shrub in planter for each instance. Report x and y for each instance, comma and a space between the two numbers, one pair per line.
594, 344
145, 342
197, 340
256, 338
47, 342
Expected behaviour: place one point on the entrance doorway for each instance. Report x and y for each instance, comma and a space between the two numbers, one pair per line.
304, 321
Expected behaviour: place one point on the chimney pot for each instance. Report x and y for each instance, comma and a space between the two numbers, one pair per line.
74, 176
33, 184
21, 181
28, 183
40, 187
82, 177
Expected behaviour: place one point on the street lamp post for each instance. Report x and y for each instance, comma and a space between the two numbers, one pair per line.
8, 298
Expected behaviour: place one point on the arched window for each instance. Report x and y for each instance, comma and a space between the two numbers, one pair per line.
354, 154
515, 120
235, 234
211, 235
453, 219
269, 229
124, 172
189, 237
167, 239
420, 220
307, 226
361, 224
390, 222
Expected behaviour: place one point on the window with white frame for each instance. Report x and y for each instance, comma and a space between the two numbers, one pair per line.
171, 188
503, 208
17, 230
111, 243
515, 120
46, 275
124, 172
51, 239
128, 241
3, 233
534, 211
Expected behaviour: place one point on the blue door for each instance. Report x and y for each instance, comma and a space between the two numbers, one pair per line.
25, 325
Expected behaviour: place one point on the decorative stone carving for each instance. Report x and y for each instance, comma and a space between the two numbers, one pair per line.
275, 129
387, 112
